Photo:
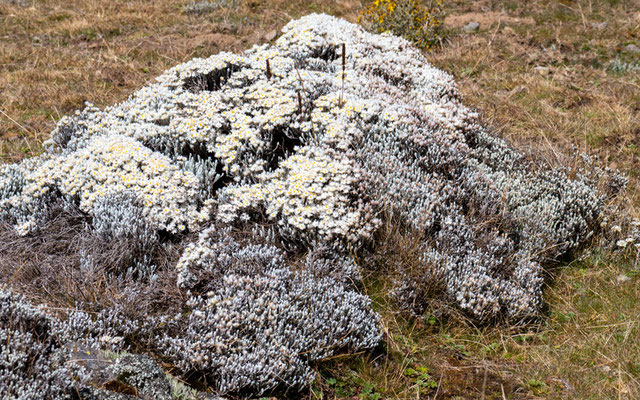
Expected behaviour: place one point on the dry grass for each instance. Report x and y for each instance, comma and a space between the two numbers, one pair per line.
56, 54
64, 266
571, 99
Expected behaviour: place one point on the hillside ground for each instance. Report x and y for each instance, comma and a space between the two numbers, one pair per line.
549, 76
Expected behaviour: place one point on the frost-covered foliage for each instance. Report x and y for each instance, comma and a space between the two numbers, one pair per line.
142, 373
257, 325
15, 208
322, 136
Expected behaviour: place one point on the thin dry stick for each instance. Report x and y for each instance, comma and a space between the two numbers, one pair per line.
435, 396
584, 22
15, 122
484, 382
16, 273
620, 383
344, 50
302, 86
268, 70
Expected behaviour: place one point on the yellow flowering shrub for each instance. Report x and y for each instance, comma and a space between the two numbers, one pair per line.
407, 18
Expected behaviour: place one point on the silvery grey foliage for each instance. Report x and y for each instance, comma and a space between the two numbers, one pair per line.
24, 214
322, 261
119, 216
204, 7
256, 325
118, 376
490, 219
43, 358
217, 253
33, 360
107, 329
207, 172
620, 66
20, 3
142, 373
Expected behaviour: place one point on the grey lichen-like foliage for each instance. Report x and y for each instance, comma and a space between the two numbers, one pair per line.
106, 329
118, 216
620, 66
142, 373
256, 324
44, 358
205, 7
217, 253
33, 360
208, 174
24, 213
263, 332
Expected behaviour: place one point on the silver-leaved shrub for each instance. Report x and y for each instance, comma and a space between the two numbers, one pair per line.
324, 135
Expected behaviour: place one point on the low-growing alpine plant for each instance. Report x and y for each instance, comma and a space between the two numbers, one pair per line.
272, 169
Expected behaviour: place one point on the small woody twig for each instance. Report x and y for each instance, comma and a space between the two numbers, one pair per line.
344, 47
268, 70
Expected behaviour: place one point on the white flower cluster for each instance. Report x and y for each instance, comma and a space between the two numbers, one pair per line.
111, 165
311, 192
626, 237
13, 207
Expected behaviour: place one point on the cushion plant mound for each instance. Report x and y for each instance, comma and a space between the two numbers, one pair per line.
286, 159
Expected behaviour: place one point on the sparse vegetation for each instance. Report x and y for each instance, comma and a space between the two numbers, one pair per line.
583, 347
623, 67
205, 7
407, 18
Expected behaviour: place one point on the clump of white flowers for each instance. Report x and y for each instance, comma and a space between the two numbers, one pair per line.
624, 234
312, 193
110, 165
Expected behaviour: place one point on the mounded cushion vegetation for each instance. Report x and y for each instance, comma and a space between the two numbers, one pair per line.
234, 202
